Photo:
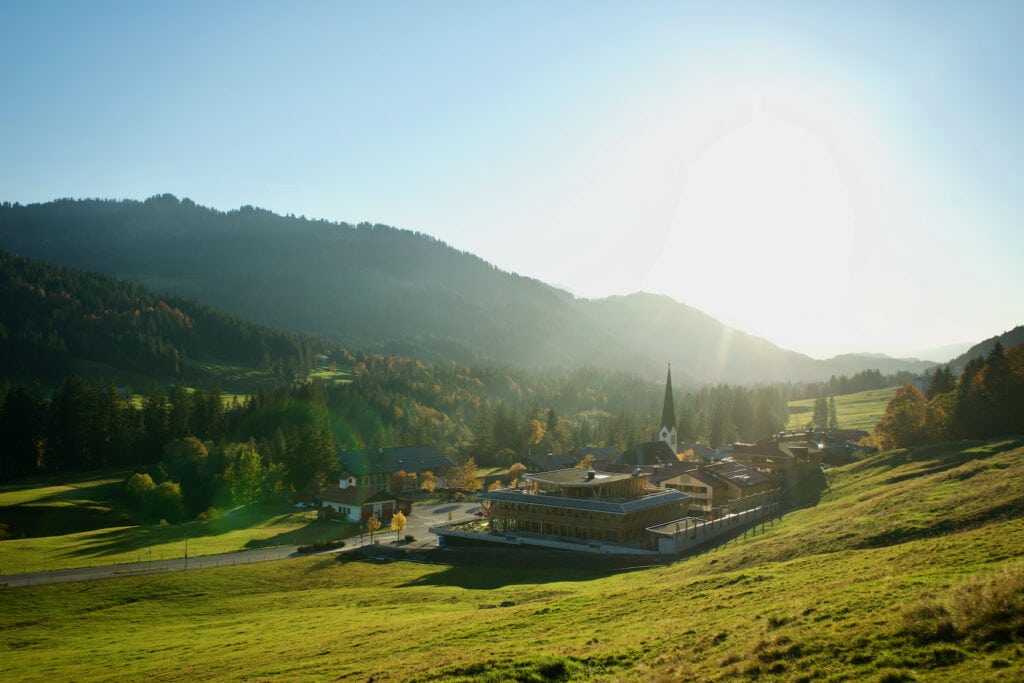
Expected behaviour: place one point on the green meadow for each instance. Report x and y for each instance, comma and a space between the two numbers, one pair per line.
862, 410
56, 522
910, 567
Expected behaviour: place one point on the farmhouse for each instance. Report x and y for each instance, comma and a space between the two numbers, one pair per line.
374, 468
356, 504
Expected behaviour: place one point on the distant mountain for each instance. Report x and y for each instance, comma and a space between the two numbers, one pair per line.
850, 363
1008, 339
378, 287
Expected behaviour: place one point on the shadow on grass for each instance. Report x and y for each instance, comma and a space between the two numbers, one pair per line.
317, 531
490, 568
35, 521
131, 539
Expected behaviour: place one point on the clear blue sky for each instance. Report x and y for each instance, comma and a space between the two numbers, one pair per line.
832, 176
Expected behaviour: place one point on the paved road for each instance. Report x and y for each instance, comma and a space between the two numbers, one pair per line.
422, 517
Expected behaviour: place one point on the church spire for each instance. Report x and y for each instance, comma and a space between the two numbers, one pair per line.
667, 433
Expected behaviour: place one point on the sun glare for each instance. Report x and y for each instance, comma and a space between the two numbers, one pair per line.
764, 223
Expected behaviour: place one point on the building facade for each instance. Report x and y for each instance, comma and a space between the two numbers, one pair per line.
584, 506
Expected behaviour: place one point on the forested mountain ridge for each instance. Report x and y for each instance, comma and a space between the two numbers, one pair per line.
391, 290
53, 316
1009, 339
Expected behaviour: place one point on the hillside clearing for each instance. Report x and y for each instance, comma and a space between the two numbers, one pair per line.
862, 410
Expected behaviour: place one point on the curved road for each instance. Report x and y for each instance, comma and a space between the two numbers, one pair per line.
417, 523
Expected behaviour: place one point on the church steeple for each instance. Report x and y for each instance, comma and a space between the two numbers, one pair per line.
667, 433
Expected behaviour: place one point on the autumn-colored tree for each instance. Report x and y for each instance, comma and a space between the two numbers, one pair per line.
534, 432
940, 416
586, 462
905, 422
495, 485
398, 523
372, 527
686, 456
428, 482
398, 481
464, 477
516, 471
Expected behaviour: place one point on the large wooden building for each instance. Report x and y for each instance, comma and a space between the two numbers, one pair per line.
584, 506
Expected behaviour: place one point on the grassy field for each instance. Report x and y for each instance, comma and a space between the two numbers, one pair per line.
909, 568
339, 376
81, 523
862, 410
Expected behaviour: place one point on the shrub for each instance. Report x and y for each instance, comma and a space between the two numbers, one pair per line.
165, 502
138, 486
409, 538
992, 607
929, 622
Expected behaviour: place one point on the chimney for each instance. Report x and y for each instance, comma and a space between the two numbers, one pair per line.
591, 474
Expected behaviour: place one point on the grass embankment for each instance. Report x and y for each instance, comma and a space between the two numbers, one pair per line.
910, 568
82, 522
862, 410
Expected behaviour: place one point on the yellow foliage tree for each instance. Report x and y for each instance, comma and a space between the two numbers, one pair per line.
464, 477
398, 523
516, 471
372, 527
534, 432
586, 462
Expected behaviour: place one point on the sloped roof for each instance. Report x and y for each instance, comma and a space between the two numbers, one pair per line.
698, 475
601, 453
738, 473
389, 460
354, 495
650, 453
661, 473
700, 450
552, 461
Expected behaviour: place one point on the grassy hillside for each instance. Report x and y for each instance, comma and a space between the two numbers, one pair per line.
862, 410
909, 569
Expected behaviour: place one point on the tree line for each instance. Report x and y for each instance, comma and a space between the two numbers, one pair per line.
986, 400
189, 451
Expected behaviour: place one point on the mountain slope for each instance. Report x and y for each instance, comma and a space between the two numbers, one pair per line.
1009, 339
55, 319
389, 289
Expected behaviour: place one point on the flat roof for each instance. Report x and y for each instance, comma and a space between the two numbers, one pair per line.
618, 507
575, 476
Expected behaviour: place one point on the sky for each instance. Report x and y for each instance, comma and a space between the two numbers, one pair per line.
835, 177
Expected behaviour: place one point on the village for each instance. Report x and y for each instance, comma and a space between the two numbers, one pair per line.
660, 497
